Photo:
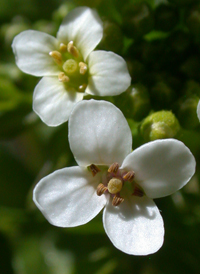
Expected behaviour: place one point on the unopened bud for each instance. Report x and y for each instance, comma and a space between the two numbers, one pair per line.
160, 125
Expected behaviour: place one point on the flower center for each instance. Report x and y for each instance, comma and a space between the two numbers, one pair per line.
113, 182
73, 70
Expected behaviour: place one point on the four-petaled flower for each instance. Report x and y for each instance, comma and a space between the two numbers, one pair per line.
110, 175
69, 66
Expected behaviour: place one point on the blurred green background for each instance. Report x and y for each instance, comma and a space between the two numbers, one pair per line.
160, 40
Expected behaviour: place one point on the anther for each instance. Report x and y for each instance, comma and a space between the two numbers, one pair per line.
138, 191
94, 169
129, 176
115, 185
117, 200
82, 88
63, 78
72, 49
83, 68
101, 189
63, 47
57, 56
113, 168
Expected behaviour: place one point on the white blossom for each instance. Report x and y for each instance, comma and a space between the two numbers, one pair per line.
69, 66
113, 176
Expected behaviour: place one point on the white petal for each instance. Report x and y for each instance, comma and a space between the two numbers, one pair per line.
108, 74
52, 102
135, 226
98, 133
31, 49
68, 198
82, 26
198, 110
161, 167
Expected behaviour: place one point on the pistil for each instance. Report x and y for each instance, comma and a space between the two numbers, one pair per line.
70, 66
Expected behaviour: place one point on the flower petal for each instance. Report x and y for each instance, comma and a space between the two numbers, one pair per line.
31, 49
108, 74
68, 198
82, 26
52, 102
98, 133
135, 226
198, 110
161, 167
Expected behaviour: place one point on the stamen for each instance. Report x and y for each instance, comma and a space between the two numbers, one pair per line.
101, 189
72, 49
113, 168
129, 176
117, 200
83, 68
57, 56
63, 47
82, 88
70, 66
63, 78
114, 185
94, 169
138, 191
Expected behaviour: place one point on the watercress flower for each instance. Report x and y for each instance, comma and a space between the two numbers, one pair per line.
113, 176
69, 65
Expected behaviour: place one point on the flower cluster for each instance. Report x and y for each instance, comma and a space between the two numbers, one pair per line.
109, 174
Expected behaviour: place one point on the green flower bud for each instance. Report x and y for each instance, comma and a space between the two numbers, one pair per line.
166, 17
137, 19
134, 103
159, 125
187, 112
112, 37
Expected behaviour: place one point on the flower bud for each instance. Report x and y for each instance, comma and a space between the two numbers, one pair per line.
137, 19
159, 125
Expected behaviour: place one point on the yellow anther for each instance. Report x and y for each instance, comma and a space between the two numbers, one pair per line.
117, 200
101, 189
94, 169
72, 49
129, 176
113, 168
83, 68
57, 56
63, 47
114, 185
82, 88
62, 77
70, 66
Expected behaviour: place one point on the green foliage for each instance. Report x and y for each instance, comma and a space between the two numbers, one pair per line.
160, 41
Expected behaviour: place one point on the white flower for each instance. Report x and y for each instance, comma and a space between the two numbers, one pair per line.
69, 66
110, 175
198, 110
